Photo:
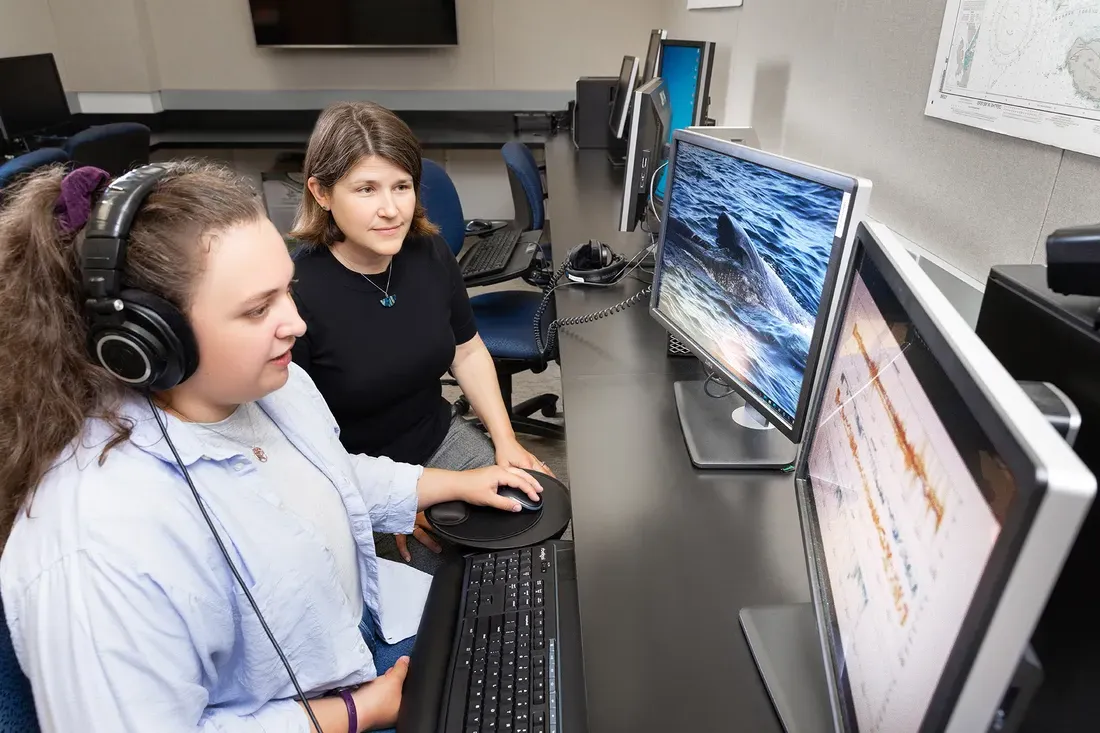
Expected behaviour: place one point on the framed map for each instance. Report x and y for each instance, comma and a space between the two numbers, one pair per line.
1025, 68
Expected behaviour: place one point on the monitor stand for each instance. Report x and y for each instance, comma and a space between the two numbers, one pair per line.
616, 152
727, 433
787, 650
786, 647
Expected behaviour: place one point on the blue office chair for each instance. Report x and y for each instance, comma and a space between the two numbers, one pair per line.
444, 207
116, 148
16, 702
505, 319
24, 164
525, 178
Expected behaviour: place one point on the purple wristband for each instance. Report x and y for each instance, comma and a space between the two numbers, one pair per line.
353, 716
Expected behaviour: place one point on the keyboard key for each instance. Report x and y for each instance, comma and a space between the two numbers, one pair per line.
488, 726
539, 686
538, 697
539, 673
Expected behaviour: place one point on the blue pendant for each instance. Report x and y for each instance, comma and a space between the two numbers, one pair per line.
388, 301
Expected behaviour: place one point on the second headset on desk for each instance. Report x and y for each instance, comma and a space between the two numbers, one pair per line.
594, 262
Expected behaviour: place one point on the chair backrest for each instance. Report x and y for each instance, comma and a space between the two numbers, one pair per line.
116, 148
23, 164
442, 204
16, 702
526, 183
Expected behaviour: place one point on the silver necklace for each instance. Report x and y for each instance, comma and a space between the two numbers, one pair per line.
389, 300
257, 450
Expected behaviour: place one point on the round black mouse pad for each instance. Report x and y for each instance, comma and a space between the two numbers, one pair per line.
486, 525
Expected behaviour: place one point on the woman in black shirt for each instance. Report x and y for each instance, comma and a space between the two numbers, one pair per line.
387, 311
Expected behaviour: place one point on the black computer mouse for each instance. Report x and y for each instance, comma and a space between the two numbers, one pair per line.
450, 513
525, 501
476, 226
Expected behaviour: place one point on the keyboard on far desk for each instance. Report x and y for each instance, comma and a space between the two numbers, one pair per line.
490, 255
509, 659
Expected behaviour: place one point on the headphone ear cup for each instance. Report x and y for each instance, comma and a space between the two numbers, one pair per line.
153, 347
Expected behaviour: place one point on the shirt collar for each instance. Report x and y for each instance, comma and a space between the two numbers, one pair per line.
146, 435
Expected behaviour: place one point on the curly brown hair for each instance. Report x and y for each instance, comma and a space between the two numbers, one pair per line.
48, 386
345, 133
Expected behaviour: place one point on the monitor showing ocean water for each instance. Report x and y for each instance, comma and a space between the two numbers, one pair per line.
742, 267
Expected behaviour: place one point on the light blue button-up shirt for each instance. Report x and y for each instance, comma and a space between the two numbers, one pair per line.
124, 614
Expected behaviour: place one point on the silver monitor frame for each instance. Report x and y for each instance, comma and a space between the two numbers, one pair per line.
627, 209
618, 126
655, 37
859, 192
740, 135
1055, 490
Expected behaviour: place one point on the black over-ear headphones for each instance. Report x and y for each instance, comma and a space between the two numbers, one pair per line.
139, 337
594, 262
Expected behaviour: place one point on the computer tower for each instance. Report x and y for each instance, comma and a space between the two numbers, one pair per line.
1044, 336
592, 112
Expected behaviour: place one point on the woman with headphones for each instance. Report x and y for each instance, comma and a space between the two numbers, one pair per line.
186, 542
387, 310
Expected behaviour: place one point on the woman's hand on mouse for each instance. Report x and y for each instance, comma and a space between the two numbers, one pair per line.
479, 487
511, 453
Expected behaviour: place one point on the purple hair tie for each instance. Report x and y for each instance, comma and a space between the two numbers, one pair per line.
80, 190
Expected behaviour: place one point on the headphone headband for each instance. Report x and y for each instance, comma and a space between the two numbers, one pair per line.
103, 254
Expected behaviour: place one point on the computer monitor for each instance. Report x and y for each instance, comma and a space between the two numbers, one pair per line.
645, 150
624, 90
31, 96
937, 506
653, 54
749, 252
686, 68
740, 135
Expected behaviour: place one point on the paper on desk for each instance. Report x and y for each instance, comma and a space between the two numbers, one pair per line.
404, 590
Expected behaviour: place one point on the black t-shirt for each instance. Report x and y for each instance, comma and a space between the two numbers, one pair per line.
378, 368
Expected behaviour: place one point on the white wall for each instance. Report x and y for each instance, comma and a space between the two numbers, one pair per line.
842, 83
207, 45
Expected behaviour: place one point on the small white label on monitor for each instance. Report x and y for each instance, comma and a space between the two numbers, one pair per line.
842, 219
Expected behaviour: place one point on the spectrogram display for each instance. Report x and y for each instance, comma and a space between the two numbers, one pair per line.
905, 528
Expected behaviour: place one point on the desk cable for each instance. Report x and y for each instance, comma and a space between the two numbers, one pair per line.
552, 330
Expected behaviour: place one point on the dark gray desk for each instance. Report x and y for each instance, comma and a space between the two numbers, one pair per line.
666, 555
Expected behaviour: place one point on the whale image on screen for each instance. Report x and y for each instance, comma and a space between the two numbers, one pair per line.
743, 265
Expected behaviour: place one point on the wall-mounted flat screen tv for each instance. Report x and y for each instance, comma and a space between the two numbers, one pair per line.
354, 23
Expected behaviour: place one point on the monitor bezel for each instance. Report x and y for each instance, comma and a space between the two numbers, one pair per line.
653, 55
620, 110
706, 69
1054, 492
857, 190
5, 131
628, 206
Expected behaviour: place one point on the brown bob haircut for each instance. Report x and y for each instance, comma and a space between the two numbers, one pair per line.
345, 134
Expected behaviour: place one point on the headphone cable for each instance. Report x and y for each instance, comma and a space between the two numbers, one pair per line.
232, 567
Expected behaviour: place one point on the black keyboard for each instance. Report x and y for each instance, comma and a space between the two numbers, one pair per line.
491, 254
505, 657
498, 649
